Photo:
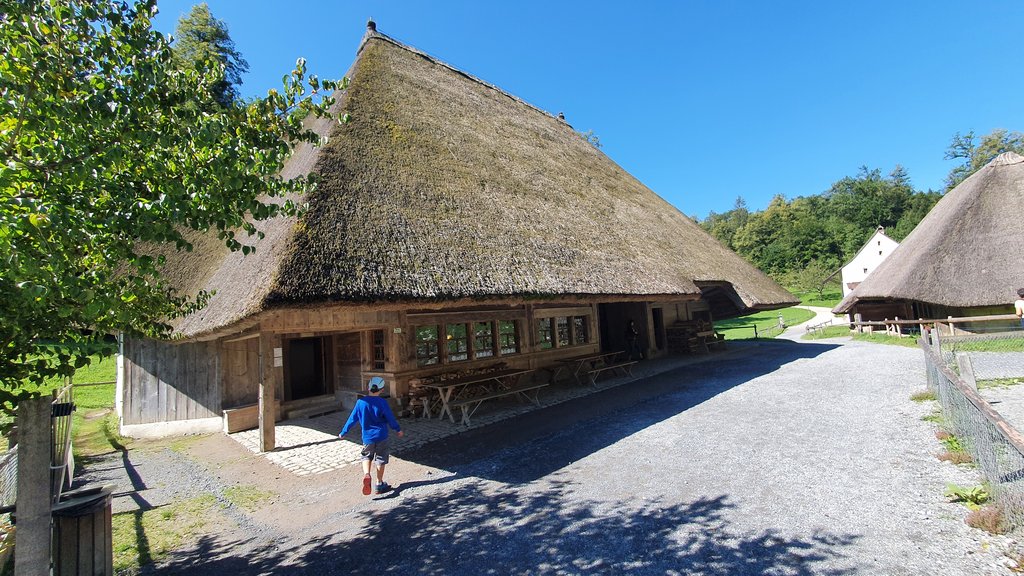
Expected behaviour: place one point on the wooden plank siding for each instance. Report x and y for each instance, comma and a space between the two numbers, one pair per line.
167, 382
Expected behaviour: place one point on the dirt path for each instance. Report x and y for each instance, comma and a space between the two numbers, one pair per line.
788, 458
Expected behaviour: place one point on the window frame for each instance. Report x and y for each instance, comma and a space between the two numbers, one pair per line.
418, 343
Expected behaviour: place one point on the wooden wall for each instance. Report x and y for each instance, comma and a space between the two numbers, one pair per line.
167, 382
241, 372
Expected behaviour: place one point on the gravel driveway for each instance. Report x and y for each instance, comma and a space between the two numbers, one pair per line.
778, 458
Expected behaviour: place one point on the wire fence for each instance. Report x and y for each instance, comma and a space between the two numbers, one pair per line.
958, 363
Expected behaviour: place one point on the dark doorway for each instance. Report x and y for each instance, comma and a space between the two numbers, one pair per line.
614, 319
305, 369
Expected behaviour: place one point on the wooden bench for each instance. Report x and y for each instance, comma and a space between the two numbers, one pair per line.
626, 368
468, 406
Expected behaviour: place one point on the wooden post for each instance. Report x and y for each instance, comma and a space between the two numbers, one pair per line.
857, 320
963, 361
32, 551
268, 384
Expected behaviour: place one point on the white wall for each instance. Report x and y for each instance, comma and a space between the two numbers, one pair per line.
867, 259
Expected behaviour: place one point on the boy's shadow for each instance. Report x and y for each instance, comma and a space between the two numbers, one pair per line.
397, 489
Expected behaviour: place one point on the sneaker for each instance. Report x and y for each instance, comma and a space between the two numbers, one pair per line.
382, 488
366, 485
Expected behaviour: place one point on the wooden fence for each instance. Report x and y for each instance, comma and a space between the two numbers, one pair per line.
948, 326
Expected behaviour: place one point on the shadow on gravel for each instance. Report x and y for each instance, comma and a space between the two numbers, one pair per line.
554, 532
535, 444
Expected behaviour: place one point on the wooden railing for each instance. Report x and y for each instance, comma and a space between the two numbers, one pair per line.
946, 326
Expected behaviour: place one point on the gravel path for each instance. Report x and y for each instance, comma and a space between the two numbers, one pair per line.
783, 458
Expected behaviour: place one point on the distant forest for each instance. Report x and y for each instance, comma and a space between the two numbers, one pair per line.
803, 241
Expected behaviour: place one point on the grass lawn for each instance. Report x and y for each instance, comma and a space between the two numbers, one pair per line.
94, 424
878, 338
828, 299
990, 345
743, 328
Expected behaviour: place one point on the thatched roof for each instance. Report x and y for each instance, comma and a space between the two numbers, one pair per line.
443, 187
965, 253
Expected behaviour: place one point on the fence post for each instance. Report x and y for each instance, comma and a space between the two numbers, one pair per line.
32, 549
963, 361
857, 320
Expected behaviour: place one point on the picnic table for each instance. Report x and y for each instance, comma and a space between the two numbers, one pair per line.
577, 366
705, 339
468, 392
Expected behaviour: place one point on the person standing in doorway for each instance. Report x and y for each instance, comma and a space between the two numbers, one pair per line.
1018, 306
374, 416
633, 341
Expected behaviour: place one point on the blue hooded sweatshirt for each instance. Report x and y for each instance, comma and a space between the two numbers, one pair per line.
373, 415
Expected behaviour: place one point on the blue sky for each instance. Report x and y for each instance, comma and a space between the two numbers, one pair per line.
702, 101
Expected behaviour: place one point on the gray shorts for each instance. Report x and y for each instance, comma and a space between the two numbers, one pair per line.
378, 452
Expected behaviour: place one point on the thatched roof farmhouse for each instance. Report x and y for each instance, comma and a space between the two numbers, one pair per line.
963, 259
454, 226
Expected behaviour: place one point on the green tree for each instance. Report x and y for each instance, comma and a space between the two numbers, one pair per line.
974, 156
107, 148
202, 42
762, 240
815, 277
724, 226
824, 229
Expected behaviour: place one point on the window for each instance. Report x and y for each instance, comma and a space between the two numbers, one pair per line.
483, 339
378, 349
545, 333
579, 330
427, 352
508, 337
458, 342
563, 331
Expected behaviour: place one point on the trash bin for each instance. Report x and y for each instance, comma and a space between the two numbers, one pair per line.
82, 533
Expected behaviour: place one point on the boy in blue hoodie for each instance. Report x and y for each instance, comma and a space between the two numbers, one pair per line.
374, 416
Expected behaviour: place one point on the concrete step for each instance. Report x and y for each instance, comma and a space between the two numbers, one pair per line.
314, 407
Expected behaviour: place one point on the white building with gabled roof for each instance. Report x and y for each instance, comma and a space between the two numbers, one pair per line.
877, 249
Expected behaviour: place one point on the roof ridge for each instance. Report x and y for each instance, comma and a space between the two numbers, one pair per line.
372, 33
1006, 159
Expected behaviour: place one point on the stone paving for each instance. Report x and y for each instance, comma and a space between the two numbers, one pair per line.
312, 446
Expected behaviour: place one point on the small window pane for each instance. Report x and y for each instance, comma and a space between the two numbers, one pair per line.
378, 349
579, 330
458, 342
483, 339
545, 333
508, 337
563, 330
427, 346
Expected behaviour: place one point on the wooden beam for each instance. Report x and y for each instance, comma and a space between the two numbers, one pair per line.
268, 383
